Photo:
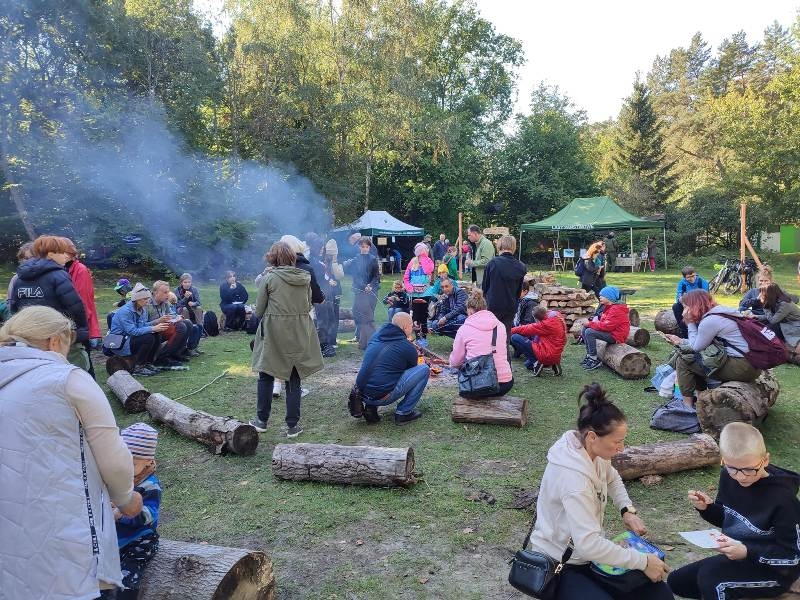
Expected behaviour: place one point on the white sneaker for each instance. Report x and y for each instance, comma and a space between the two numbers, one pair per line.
304, 392
276, 389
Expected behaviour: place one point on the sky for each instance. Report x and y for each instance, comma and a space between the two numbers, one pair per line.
592, 49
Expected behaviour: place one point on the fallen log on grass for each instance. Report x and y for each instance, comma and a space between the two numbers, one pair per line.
625, 360
345, 314
119, 363
638, 337
665, 322
130, 392
182, 570
505, 410
346, 325
356, 465
221, 433
697, 451
736, 401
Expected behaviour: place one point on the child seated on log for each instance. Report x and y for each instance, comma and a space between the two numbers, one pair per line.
612, 326
137, 536
758, 512
397, 300
541, 342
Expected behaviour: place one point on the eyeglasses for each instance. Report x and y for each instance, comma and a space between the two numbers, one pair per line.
692, 276
746, 471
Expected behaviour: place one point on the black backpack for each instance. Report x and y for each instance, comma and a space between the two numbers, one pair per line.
767, 350
580, 267
251, 324
210, 323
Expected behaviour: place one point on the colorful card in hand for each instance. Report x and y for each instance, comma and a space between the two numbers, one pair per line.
628, 539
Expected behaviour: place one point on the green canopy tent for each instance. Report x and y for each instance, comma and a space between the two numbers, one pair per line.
600, 213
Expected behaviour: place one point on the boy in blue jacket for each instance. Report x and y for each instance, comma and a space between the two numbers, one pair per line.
691, 281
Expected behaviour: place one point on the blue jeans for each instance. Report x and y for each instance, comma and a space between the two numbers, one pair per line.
393, 311
590, 336
450, 328
523, 345
409, 387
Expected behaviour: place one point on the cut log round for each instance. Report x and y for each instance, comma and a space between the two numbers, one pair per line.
634, 318
736, 401
625, 360
697, 451
345, 314
506, 410
182, 570
332, 463
665, 322
119, 363
638, 337
577, 326
221, 433
346, 325
130, 392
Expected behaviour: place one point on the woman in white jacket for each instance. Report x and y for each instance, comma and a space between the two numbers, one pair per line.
576, 485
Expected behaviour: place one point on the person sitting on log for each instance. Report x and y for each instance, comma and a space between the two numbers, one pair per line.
541, 342
451, 310
783, 316
397, 300
758, 512
136, 535
141, 338
390, 372
179, 342
715, 347
189, 305
612, 326
233, 296
690, 281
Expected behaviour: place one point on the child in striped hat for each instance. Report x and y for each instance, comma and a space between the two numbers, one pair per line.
137, 536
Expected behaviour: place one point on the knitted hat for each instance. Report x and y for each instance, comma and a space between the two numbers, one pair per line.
610, 292
140, 292
297, 246
141, 440
442, 268
331, 247
420, 249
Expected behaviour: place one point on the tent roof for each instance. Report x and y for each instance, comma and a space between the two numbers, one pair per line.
380, 222
591, 213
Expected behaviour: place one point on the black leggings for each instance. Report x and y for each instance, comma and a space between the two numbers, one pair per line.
264, 397
419, 313
505, 387
143, 347
719, 578
578, 582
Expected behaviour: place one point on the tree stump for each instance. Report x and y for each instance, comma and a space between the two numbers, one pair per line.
505, 410
130, 392
638, 337
697, 451
356, 465
345, 314
736, 401
119, 363
625, 360
665, 322
346, 325
577, 326
221, 433
634, 318
183, 570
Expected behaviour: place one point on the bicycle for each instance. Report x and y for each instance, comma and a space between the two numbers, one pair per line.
722, 276
731, 274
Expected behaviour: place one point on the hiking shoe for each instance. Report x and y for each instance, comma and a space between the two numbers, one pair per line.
536, 369
371, 415
592, 363
585, 360
328, 352
405, 419
259, 425
557, 370
143, 371
293, 432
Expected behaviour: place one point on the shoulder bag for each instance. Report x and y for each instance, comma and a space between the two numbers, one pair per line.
355, 401
477, 377
535, 573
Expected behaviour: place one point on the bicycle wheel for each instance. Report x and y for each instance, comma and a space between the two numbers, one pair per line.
733, 284
713, 285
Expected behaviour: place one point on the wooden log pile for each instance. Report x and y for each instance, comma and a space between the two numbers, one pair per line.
737, 401
625, 360
182, 570
506, 410
697, 451
573, 303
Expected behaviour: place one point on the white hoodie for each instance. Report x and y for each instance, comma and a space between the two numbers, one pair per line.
572, 503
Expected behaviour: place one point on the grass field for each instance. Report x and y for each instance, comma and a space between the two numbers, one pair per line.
429, 541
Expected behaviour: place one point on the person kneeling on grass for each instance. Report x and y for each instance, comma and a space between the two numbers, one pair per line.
390, 373
759, 514
451, 310
612, 327
542, 342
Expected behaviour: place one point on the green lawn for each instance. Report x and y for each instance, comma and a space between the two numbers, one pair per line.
428, 541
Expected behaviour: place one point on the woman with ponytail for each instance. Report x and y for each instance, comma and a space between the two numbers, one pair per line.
577, 483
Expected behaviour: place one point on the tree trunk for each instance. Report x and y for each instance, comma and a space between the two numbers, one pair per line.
332, 463
697, 451
183, 570
221, 433
346, 325
345, 314
130, 392
638, 337
507, 410
14, 189
665, 322
624, 360
633, 317
736, 401
119, 363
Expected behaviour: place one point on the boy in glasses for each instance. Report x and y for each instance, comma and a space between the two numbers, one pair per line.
758, 512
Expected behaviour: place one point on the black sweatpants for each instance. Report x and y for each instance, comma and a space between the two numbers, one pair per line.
719, 578
578, 582
264, 397
144, 347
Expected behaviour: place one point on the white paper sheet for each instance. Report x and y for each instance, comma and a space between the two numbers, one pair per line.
706, 538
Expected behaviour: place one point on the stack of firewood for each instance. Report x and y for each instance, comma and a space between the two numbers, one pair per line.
572, 303
545, 277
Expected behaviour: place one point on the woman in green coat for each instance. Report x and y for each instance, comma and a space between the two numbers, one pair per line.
286, 345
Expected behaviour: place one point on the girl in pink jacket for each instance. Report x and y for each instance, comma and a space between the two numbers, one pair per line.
416, 280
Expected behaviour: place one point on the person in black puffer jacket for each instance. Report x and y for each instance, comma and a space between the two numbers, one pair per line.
502, 282
43, 281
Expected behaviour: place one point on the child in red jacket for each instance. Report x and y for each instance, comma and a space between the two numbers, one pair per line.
612, 327
541, 342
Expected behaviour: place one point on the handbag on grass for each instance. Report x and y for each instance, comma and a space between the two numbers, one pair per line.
535, 573
477, 377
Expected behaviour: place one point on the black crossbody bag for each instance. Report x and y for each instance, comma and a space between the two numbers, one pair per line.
535, 573
477, 377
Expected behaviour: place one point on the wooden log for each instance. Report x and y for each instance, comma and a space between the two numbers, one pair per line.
638, 337
633, 317
221, 433
577, 326
736, 401
130, 392
505, 410
625, 360
345, 314
332, 463
119, 363
346, 325
182, 570
665, 322
697, 451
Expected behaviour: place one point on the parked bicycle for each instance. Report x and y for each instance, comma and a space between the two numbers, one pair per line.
731, 274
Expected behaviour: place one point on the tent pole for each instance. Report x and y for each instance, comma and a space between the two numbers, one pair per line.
458, 247
665, 245
634, 256
521, 231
